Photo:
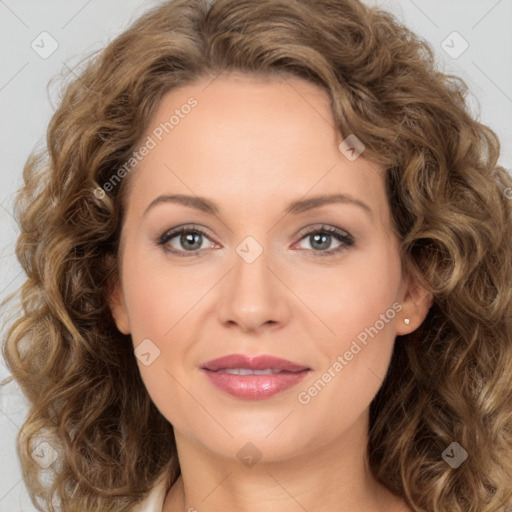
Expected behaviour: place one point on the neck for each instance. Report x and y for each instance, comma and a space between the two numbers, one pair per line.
333, 478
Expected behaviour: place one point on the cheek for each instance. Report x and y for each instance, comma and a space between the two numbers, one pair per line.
163, 301
160, 294
358, 295
360, 309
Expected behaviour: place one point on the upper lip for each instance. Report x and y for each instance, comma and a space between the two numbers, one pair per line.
261, 362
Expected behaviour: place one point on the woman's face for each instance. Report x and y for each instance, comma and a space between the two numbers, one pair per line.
262, 279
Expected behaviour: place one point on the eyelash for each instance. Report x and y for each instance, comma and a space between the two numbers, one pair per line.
342, 236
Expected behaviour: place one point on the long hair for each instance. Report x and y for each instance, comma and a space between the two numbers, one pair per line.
449, 381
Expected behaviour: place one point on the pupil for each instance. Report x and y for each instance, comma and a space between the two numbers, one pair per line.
320, 236
185, 239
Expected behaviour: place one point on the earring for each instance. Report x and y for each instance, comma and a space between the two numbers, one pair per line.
407, 321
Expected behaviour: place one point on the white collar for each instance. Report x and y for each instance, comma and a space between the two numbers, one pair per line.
154, 501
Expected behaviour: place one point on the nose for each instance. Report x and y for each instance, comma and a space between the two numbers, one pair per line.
253, 296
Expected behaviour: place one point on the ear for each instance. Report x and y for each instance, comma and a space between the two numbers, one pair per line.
416, 302
116, 300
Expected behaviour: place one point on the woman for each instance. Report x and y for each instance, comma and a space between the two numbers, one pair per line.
268, 268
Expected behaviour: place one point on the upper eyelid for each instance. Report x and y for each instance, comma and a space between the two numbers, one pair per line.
179, 229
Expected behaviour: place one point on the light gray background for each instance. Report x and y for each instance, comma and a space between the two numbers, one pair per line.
80, 26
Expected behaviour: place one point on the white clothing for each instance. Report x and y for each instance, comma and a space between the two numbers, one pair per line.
154, 501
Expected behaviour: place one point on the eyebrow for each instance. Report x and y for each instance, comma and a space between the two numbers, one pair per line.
294, 208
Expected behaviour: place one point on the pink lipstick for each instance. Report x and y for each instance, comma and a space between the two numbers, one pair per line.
253, 378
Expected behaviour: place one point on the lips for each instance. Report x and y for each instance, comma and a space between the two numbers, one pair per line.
253, 377
264, 362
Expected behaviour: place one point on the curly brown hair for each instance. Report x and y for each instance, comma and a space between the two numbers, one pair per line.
450, 380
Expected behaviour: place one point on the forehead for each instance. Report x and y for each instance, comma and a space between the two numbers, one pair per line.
251, 141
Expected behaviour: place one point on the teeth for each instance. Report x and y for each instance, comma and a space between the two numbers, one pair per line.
247, 371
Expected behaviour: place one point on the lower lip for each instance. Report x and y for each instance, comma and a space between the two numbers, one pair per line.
255, 387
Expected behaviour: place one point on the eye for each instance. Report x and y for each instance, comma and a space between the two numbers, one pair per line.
321, 238
190, 238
